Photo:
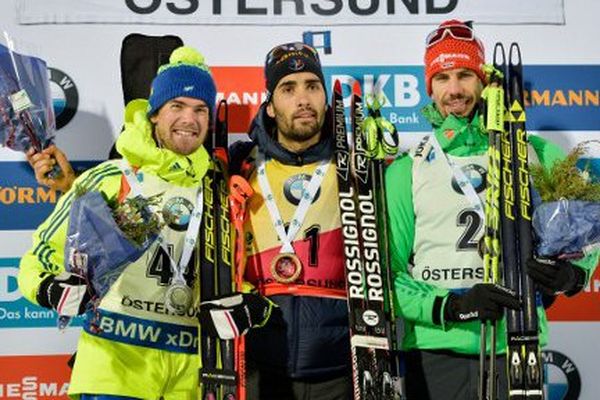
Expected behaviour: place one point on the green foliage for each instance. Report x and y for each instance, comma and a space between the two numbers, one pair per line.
136, 220
134, 215
564, 180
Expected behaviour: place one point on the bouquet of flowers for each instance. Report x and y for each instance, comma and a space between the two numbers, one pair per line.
26, 110
104, 236
567, 222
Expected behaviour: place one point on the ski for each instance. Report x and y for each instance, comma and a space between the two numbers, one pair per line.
382, 140
240, 192
492, 109
218, 373
365, 282
523, 353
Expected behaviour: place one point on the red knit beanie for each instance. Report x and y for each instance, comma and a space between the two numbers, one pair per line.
453, 45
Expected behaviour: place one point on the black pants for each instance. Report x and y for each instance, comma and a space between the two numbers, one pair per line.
272, 385
432, 375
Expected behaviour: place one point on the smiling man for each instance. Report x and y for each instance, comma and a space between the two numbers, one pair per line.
126, 349
181, 124
435, 228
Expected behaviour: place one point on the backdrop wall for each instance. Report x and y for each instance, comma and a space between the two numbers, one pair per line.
81, 42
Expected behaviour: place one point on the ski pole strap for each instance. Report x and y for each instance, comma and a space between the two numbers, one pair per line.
191, 234
461, 179
273, 289
308, 194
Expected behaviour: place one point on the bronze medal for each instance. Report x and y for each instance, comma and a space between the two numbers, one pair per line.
286, 267
178, 298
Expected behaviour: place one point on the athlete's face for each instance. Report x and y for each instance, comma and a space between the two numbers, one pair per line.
298, 106
181, 124
456, 91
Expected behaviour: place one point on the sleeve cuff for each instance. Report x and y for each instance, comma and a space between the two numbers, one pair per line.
437, 311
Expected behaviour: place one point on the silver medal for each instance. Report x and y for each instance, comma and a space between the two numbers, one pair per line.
178, 298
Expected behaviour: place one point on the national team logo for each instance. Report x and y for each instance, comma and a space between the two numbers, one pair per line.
65, 97
476, 174
178, 211
296, 64
294, 187
561, 377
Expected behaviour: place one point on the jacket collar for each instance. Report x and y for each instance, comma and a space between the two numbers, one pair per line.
137, 145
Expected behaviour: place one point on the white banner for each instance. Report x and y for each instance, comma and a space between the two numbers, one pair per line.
289, 12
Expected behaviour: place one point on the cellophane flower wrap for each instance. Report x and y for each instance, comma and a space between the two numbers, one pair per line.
104, 236
566, 218
26, 108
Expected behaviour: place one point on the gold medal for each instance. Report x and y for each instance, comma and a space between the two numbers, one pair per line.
178, 298
286, 267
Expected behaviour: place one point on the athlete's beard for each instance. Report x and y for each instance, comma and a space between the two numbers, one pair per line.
463, 107
294, 130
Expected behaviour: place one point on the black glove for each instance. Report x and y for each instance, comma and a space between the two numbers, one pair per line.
67, 293
556, 276
230, 316
484, 301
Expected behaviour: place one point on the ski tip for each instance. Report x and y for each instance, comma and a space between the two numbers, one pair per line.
499, 54
337, 86
356, 88
222, 111
515, 54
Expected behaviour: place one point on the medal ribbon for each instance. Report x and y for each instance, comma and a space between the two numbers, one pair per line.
190, 235
308, 194
461, 179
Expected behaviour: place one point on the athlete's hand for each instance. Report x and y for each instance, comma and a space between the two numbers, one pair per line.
44, 161
554, 277
484, 301
233, 315
67, 293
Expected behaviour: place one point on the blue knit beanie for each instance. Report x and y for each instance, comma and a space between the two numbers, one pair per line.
186, 75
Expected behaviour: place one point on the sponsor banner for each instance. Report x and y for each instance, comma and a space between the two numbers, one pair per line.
401, 87
15, 310
34, 377
584, 306
283, 12
244, 90
562, 97
23, 203
557, 97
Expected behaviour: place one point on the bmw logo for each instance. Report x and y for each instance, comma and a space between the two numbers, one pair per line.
178, 211
295, 186
476, 174
65, 97
561, 377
